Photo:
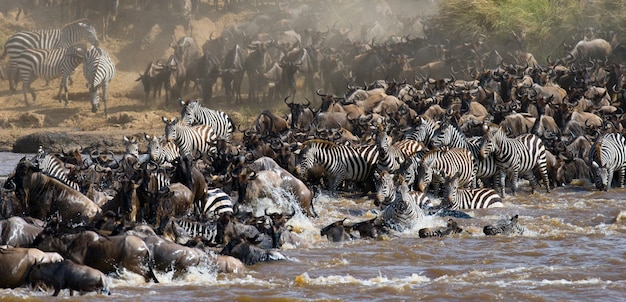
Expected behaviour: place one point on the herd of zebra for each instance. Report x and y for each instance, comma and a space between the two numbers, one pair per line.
54, 53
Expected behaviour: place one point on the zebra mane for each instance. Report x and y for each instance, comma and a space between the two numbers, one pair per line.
317, 141
83, 20
598, 149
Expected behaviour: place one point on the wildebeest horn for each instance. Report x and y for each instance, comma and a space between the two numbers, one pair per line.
308, 102
319, 93
285, 100
94, 153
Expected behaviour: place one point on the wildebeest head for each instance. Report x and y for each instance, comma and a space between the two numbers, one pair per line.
336, 231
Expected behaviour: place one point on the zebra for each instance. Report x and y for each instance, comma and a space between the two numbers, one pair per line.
424, 131
607, 156
386, 189
64, 37
438, 164
515, 155
162, 151
184, 229
193, 113
449, 136
98, 70
392, 156
505, 226
195, 140
215, 203
468, 199
54, 167
340, 162
131, 144
402, 213
49, 64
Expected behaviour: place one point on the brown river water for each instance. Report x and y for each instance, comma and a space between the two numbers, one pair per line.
573, 250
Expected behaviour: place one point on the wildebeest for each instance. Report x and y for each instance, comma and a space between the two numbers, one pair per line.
249, 253
46, 196
337, 232
107, 254
107, 9
67, 274
16, 263
155, 77
16, 232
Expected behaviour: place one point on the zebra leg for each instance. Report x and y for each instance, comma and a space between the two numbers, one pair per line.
514, 178
533, 181
13, 78
26, 88
105, 90
502, 182
63, 87
620, 176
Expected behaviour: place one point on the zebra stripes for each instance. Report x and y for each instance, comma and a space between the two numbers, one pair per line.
607, 156
49, 64
516, 156
392, 156
98, 70
55, 168
439, 164
506, 227
403, 213
216, 203
195, 140
340, 162
386, 191
184, 229
64, 37
162, 151
424, 131
449, 136
193, 113
467, 199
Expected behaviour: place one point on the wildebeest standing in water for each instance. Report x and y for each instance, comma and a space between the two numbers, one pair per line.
16, 263
43, 196
67, 274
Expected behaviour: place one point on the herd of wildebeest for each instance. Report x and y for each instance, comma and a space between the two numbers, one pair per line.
436, 128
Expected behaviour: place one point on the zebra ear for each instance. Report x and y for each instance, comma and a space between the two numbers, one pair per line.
165, 120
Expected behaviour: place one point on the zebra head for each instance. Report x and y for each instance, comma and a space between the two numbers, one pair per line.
383, 139
170, 128
505, 226
308, 160
486, 145
452, 184
132, 145
425, 173
188, 113
443, 136
83, 30
386, 189
601, 176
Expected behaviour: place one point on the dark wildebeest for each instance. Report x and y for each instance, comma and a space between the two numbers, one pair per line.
185, 53
232, 70
107, 9
249, 253
255, 66
155, 78
16, 263
207, 74
337, 232
45, 196
16, 232
107, 254
67, 274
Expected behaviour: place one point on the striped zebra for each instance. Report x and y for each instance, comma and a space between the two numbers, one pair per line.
391, 156
162, 151
449, 136
181, 230
98, 70
215, 203
607, 156
54, 167
131, 145
506, 227
424, 131
340, 162
440, 164
193, 113
386, 189
195, 140
49, 64
64, 37
516, 156
402, 213
468, 199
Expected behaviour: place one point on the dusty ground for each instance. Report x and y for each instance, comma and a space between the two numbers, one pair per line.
128, 115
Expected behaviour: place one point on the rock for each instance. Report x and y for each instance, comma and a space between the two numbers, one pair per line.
51, 140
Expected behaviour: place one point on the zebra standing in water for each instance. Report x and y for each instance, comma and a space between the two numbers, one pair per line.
216, 203
340, 162
387, 188
162, 151
403, 213
392, 156
54, 167
439, 164
516, 156
607, 156
449, 136
64, 37
195, 140
49, 64
193, 113
468, 199
98, 70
